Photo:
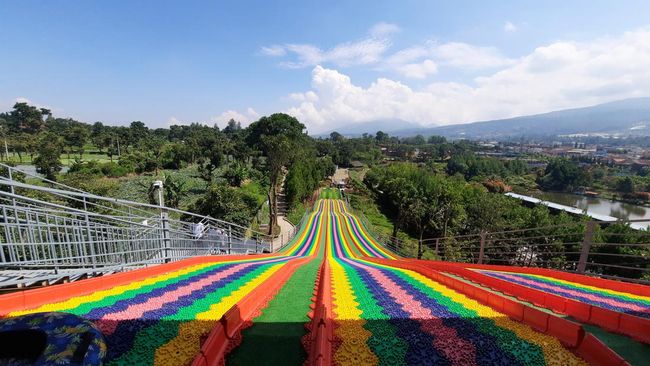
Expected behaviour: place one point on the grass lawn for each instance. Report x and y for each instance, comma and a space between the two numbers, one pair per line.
65, 160
295, 214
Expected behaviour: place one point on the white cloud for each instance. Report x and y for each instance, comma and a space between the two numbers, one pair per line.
174, 121
509, 27
380, 30
457, 55
559, 75
418, 70
469, 57
245, 118
365, 51
274, 51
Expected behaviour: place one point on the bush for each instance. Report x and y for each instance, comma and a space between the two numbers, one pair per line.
227, 203
94, 168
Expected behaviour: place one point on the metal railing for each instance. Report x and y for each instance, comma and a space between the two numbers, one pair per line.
605, 249
48, 229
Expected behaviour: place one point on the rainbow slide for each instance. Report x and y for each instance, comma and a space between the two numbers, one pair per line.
334, 295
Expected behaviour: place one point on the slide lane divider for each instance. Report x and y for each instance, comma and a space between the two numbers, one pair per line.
636, 327
226, 334
570, 333
601, 283
318, 342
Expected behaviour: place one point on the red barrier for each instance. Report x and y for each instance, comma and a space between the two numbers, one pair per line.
635, 327
579, 310
605, 318
555, 303
640, 330
568, 332
513, 309
596, 353
320, 352
632, 288
537, 319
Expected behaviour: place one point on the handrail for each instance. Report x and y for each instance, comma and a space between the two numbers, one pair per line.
116, 200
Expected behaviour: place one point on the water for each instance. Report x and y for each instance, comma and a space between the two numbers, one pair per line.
30, 169
598, 205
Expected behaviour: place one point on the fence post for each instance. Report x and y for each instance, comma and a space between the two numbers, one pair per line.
586, 245
91, 243
437, 245
164, 221
229, 239
482, 249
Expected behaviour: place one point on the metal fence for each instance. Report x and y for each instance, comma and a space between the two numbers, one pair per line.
605, 249
50, 232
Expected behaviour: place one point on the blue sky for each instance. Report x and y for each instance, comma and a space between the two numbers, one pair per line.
329, 63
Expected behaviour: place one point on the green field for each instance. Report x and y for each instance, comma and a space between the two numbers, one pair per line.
66, 159
332, 193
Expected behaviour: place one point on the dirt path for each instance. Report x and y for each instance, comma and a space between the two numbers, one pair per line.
341, 174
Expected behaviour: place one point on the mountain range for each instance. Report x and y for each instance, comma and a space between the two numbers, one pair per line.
623, 118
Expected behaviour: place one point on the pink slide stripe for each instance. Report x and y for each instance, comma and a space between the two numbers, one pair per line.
135, 311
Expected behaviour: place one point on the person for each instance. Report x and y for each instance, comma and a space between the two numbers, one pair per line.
198, 230
213, 236
220, 239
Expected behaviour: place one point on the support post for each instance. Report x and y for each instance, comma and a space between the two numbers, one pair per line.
437, 246
91, 243
482, 249
229, 239
164, 221
586, 246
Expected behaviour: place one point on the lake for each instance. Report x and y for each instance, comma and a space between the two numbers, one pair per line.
601, 206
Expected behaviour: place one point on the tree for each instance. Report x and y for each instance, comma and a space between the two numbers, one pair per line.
625, 185
278, 137
138, 132
335, 136
381, 136
434, 139
236, 174
211, 152
26, 118
227, 203
563, 174
76, 137
232, 127
48, 161
101, 136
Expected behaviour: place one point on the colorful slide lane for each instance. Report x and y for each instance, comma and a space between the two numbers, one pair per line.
627, 303
388, 315
161, 319
374, 307
617, 307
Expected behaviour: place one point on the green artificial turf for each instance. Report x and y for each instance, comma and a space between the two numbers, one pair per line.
275, 336
635, 353
330, 193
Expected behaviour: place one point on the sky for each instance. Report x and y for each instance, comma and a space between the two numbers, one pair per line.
328, 63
